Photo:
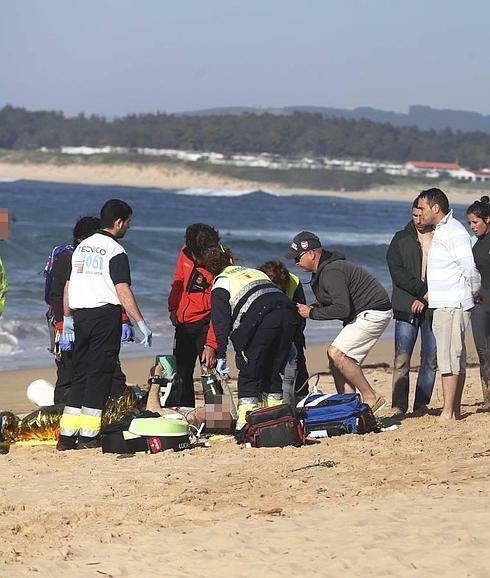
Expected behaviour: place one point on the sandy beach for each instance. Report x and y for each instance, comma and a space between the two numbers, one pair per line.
161, 176
408, 502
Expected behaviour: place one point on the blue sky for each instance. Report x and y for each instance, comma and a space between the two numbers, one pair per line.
115, 57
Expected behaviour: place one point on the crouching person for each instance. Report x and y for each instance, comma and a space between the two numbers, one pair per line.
261, 322
292, 286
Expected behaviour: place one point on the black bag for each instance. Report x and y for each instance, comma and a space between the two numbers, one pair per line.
273, 427
113, 440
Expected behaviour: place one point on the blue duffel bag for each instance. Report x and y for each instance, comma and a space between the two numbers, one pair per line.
333, 415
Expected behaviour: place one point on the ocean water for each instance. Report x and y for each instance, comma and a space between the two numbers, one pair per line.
257, 225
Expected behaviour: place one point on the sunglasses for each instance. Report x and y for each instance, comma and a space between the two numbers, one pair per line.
300, 256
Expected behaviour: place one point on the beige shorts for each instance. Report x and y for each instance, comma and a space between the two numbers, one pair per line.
358, 337
449, 327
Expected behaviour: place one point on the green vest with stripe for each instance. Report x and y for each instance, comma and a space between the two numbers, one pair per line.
246, 285
293, 284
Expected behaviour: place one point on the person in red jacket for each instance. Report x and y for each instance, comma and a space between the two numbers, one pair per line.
189, 304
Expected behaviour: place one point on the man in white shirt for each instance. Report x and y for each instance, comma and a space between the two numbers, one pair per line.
100, 282
453, 281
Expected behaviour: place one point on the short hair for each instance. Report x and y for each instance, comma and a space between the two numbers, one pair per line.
85, 227
277, 273
480, 208
112, 211
435, 196
199, 237
216, 259
415, 204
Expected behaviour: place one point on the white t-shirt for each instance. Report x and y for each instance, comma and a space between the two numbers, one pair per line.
98, 264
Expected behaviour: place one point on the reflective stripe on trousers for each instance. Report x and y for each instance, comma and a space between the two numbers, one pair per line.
90, 421
70, 421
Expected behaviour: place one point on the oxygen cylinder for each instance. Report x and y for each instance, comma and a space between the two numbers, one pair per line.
210, 384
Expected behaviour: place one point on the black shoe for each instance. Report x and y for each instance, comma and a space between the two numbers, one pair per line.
66, 443
88, 443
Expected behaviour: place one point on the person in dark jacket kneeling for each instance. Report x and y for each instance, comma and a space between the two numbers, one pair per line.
261, 322
292, 286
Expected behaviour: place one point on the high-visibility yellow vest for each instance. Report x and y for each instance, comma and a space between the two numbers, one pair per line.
293, 284
246, 285
3, 286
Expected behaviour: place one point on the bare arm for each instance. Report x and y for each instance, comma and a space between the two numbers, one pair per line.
67, 312
128, 301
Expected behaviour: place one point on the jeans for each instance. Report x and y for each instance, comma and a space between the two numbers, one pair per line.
405, 338
480, 323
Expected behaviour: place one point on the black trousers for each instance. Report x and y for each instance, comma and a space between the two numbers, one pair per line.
64, 367
300, 385
190, 339
480, 324
266, 354
95, 356
64, 376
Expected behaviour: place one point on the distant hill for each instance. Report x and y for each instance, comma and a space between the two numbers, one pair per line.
291, 133
422, 117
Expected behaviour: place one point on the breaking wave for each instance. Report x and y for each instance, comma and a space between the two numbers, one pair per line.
197, 192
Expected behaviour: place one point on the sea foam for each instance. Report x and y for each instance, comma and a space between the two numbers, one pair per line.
202, 192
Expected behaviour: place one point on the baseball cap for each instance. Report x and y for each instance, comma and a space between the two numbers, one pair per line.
304, 241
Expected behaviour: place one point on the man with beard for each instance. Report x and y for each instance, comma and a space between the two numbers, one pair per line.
100, 283
407, 261
453, 282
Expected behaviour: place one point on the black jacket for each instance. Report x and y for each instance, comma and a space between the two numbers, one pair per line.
61, 274
344, 289
404, 259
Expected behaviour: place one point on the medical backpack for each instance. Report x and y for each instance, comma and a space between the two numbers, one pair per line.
333, 415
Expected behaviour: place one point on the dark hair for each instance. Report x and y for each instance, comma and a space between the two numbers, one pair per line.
480, 208
199, 237
415, 204
277, 273
85, 227
436, 197
112, 211
216, 259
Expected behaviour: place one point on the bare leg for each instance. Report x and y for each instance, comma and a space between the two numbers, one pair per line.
340, 384
450, 393
459, 395
352, 374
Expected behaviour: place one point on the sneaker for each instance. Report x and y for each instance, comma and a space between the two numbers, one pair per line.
66, 443
88, 443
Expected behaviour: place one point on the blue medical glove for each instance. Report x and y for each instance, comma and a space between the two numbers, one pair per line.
65, 344
222, 367
127, 332
68, 333
146, 333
